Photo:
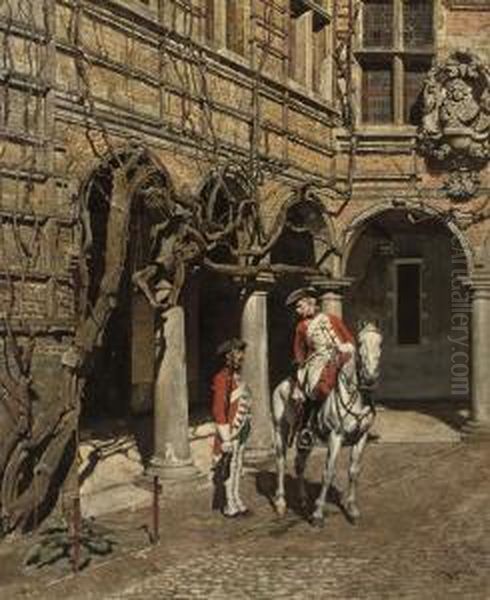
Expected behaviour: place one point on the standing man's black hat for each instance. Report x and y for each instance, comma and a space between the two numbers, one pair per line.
300, 294
229, 345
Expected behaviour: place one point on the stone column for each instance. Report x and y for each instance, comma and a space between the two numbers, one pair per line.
332, 291
172, 458
192, 307
478, 426
331, 302
256, 371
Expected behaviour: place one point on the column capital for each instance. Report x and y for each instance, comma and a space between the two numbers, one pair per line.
262, 284
265, 280
327, 284
478, 283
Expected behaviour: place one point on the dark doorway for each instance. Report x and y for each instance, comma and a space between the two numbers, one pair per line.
219, 319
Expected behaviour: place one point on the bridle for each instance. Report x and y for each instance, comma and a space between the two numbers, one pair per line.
353, 389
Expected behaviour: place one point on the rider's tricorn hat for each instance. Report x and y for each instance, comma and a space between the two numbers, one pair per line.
306, 292
229, 345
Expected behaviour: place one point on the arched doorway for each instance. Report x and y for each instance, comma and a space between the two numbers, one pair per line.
212, 297
406, 264
120, 382
305, 242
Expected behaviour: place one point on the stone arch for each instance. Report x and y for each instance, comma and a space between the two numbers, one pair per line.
117, 156
357, 225
305, 216
125, 195
223, 195
406, 262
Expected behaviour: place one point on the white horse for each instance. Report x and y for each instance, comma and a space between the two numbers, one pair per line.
344, 418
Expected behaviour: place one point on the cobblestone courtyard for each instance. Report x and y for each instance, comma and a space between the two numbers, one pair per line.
424, 533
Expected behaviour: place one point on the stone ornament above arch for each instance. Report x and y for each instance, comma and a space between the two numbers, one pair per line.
455, 131
357, 225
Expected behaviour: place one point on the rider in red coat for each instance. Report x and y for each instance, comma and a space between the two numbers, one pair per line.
322, 344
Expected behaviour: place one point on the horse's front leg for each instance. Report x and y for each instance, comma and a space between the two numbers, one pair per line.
334, 445
280, 435
350, 505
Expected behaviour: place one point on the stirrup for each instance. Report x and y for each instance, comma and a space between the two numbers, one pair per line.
305, 439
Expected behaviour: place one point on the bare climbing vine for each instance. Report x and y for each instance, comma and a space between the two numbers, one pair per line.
61, 250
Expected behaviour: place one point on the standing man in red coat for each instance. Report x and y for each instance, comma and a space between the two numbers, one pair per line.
322, 344
231, 408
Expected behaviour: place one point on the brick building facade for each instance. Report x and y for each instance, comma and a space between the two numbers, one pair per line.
312, 109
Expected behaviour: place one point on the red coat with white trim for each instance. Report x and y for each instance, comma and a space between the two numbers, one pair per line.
322, 344
231, 405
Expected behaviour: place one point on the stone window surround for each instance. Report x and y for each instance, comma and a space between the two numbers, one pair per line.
398, 53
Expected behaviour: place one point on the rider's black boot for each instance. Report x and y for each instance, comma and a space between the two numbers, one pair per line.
306, 434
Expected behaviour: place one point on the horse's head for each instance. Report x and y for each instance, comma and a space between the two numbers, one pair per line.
370, 340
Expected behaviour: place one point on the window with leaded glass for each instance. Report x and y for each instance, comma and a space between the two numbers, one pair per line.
377, 94
395, 50
418, 23
415, 72
377, 30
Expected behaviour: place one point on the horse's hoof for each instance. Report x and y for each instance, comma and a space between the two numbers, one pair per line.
353, 514
281, 509
317, 522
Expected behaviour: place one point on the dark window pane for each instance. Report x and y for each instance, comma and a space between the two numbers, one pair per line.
408, 303
418, 23
235, 32
378, 23
377, 97
415, 74
293, 52
209, 21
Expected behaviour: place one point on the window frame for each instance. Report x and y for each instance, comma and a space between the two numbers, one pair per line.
398, 58
216, 33
311, 70
396, 263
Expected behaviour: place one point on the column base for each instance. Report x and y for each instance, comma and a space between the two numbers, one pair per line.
176, 472
475, 431
257, 456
